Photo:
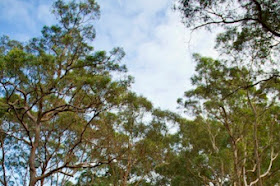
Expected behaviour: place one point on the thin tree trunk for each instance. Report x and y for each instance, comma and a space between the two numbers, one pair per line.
256, 151
128, 167
236, 165
3, 164
32, 158
237, 171
256, 143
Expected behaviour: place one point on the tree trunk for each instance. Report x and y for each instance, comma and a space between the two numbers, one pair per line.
256, 143
32, 158
256, 151
3, 163
237, 177
128, 167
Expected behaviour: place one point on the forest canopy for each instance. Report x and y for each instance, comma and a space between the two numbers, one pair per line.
68, 115
236, 97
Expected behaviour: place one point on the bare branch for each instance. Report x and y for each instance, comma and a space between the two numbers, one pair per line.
274, 76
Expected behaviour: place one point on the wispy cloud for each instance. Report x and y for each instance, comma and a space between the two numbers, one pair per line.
24, 19
151, 33
44, 16
157, 46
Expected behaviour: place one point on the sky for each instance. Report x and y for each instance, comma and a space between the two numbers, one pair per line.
158, 47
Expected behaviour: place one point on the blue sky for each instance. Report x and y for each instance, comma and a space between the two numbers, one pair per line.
158, 47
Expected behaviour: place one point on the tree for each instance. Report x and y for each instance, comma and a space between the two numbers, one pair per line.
140, 140
245, 83
249, 23
53, 91
236, 140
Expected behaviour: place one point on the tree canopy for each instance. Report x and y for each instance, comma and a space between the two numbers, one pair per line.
69, 117
249, 26
235, 98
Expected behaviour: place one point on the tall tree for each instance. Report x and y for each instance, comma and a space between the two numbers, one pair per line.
53, 90
140, 141
236, 141
235, 100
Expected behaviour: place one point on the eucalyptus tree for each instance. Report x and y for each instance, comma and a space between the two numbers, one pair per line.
140, 141
237, 128
250, 30
237, 97
53, 90
245, 22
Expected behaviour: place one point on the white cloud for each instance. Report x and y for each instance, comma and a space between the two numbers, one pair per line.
157, 46
13, 10
164, 65
24, 19
156, 42
147, 6
44, 15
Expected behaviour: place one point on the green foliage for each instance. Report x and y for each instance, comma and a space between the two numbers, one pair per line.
231, 113
236, 98
250, 27
53, 90
65, 114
